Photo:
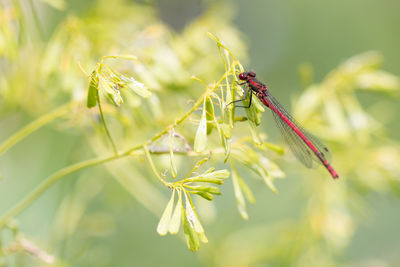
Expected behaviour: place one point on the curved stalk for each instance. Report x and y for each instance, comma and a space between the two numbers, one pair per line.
103, 120
33, 126
47, 183
28, 200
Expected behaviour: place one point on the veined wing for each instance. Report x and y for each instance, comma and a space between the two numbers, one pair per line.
296, 144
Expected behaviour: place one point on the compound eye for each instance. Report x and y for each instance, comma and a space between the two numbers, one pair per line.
241, 76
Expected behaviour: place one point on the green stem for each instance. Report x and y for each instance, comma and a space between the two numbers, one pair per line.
33, 126
28, 200
177, 122
105, 125
153, 167
47, 183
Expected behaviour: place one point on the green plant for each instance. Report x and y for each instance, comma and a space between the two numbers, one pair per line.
201, 142
110, 82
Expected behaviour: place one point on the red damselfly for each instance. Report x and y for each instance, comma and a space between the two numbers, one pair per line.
305, 146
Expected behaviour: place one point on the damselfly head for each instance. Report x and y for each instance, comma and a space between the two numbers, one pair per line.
244, 75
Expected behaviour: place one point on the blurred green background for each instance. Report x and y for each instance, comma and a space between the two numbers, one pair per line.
89, 219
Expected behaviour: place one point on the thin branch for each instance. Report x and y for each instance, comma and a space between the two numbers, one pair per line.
25, 202
105, 125
160, 150
28, 200
153, 167
33, 126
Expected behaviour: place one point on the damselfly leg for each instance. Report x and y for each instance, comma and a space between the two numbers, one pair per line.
243, 98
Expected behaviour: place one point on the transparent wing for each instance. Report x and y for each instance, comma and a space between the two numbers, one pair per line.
295, 143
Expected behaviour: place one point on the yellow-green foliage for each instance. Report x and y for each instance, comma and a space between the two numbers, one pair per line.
153, 108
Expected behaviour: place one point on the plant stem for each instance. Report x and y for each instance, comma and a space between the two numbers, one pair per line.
105, 125
28, 200
153, 167
33, 126
47, 183
176, 123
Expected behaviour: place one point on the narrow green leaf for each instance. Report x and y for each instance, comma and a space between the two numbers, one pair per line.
203, 238
251, 112
220, 174
230, 96
271, 168
191, 237
91, 97
204, 180
200, 140
110, 91
176, 216
204, 195
254, 133
241, 203
210, 189
209, 170
114, 99
254, 112
269, 183
104, 84
224, 141
267, 179
162, 228
246, 190
258, 107
192, 216
92, 92
171, 156
276, 148
138, 87
215, 177
226, 130
226, 113
210, 114
246, 155
227, 148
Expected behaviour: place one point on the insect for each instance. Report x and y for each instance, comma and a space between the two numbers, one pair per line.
306, 147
